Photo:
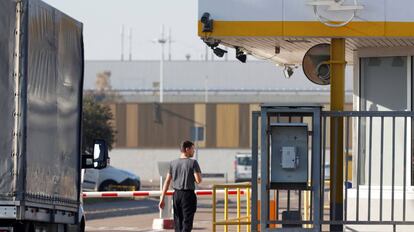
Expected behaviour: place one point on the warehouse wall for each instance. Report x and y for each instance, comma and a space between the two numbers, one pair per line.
141, 125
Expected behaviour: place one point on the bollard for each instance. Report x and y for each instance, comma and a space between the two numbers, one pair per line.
166, 219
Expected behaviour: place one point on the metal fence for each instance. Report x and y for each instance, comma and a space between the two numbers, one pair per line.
377, 157
371, 170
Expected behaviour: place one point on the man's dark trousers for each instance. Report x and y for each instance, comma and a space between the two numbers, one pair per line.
185, 206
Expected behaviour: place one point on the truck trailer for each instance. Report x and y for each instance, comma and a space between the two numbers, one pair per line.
41, 85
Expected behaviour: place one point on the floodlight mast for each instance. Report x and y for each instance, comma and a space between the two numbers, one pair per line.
162, 41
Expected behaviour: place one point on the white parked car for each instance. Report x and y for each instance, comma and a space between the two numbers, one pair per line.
110, 179
243, 167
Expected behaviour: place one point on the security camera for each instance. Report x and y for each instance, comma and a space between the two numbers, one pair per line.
277, 50
240, 55
205, 18
207, 22
288, 72
212, 43
219, 52
316, 64
323, 71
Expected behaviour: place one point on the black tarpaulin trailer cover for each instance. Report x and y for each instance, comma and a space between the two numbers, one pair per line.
52, 79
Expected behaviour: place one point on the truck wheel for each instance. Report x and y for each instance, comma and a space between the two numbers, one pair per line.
138, 186
82, 226
25, 227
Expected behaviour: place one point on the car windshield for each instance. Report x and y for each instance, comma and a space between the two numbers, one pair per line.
246, 161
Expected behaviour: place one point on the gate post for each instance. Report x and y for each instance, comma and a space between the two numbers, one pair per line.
336, 154
316, 169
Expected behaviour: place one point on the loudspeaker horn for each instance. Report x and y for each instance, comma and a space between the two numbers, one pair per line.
316, 65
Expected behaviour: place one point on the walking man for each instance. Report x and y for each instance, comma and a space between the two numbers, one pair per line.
184, 173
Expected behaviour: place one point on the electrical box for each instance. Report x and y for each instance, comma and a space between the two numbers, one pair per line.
289, 155
290, 159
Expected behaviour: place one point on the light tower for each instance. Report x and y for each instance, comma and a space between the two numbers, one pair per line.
162, 41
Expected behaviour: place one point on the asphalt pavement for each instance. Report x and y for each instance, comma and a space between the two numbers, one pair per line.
137, 214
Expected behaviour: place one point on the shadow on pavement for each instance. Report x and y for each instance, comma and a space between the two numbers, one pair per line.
118, 208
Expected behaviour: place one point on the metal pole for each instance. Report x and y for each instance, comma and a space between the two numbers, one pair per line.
161, 180
214, 208
130, 44
337, 104
264, 198
122, 42
206, 89
316, 171
206, 55
162, 75
169, 45
238, 209
162, 42
255, 156
248, 207
226, 208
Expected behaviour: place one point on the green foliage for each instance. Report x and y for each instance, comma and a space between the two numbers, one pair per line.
96, 124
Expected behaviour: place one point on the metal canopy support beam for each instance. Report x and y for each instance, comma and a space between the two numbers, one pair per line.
316, 170
264, 150
255, 157
336, 145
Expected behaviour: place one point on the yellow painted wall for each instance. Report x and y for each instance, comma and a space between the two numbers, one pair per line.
227, 118
200, 117
132, 125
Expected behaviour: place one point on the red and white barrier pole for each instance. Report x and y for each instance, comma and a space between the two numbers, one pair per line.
130, 194
165, 221
166, 217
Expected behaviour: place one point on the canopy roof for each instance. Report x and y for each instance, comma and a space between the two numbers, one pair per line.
259, 26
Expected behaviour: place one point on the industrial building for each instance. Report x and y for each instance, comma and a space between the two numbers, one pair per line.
217, 97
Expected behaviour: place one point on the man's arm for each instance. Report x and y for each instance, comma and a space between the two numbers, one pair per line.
197, 176
164, 190
197, 172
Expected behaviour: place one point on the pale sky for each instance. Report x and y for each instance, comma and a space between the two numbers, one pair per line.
103, 20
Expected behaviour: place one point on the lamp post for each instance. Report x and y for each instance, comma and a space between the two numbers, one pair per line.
162, 41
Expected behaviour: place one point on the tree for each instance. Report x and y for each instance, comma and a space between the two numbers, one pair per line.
96, 124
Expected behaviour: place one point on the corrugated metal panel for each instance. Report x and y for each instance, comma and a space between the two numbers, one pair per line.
211, 125
244, 125
253, 107
121, 125
227, 118
132, 125
200, 118
177, 121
